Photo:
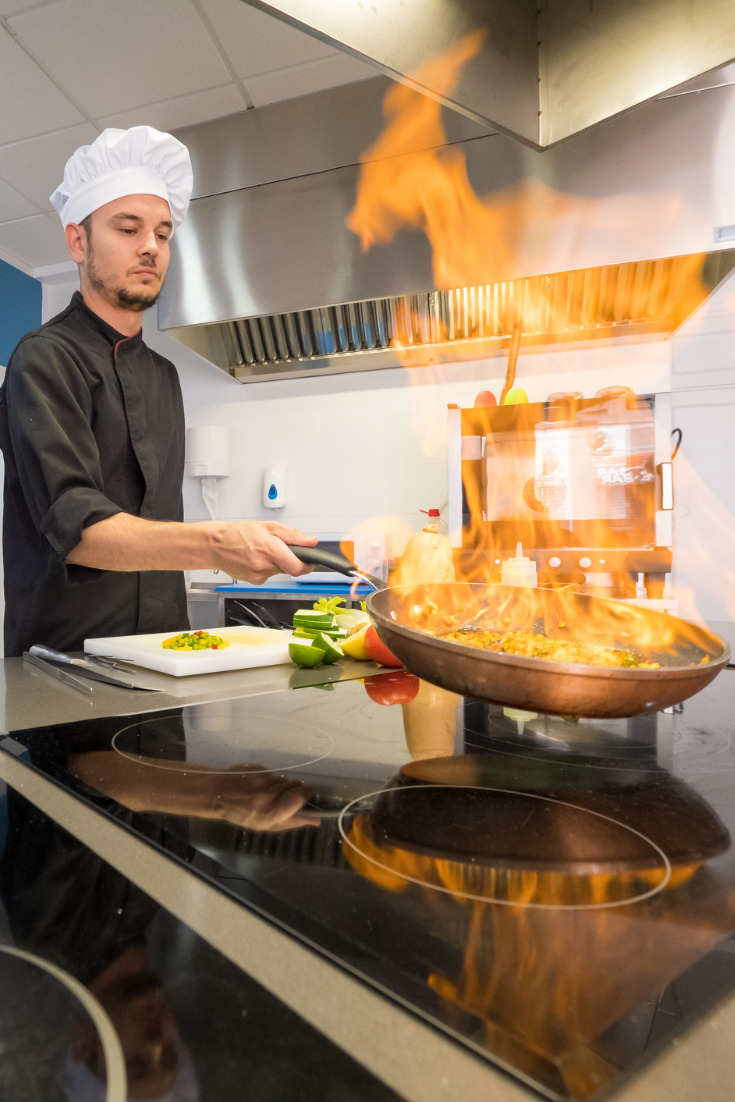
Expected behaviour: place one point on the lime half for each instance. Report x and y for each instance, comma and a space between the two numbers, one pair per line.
305, 655
332, 650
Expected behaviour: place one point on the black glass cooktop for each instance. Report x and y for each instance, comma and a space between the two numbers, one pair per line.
103, 989
557, 894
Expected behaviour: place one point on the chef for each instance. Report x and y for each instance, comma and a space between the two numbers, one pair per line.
92, 425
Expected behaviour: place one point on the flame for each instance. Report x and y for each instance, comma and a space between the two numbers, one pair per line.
482, 246
427, 557
545, 982
410, 177
548, 480
409, 191
561, 615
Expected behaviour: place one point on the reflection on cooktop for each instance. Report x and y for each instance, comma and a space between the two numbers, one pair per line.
225, 739
703, 749
488, 844
603, 743
46, 1016
106, 995
539, 887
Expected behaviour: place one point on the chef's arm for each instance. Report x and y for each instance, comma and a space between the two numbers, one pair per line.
251, 550
246, 796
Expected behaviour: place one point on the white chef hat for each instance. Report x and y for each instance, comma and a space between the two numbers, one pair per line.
139, 161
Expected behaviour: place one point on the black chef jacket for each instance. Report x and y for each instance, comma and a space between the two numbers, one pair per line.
91, 424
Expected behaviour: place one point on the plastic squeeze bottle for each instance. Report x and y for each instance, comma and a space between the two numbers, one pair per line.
519, 570
436, 523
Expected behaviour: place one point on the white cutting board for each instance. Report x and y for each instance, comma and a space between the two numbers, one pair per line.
248, 647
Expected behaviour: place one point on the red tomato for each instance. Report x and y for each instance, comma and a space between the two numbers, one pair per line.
378, 651
397, 687
485, 398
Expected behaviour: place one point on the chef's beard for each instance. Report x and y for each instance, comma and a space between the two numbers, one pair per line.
137, 301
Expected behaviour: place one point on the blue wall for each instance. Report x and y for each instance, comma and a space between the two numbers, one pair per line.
20, 307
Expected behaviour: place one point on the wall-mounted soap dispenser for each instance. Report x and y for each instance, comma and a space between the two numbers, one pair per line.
274, 487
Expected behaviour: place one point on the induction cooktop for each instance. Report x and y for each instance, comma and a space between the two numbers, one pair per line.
105, 995
557, 894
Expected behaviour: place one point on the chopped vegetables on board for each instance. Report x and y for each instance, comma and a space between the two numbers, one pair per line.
194, 640
330, 631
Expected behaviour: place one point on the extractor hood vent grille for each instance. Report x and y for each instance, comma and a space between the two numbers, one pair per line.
640, 298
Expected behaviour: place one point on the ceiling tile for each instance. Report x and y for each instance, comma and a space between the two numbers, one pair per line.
31, 103
7, 7
300, 80
34, 241
14, 262
36, 167
14, 205
185, 111
173, 56
255, 42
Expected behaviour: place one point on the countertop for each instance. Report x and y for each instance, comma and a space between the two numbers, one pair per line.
31, 698
397, 1046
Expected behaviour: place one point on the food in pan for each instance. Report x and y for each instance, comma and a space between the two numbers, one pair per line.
194, 640
528, 644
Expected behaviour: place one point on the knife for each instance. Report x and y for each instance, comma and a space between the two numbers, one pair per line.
60, 675
85, 668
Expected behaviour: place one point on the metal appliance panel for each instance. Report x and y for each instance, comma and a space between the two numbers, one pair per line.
266, 278
508, 469
545, 70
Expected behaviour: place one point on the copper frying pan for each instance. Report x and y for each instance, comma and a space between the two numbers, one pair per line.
409, 618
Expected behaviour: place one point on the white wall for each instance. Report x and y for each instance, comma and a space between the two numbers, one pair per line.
372, 444
367, 451
703, 406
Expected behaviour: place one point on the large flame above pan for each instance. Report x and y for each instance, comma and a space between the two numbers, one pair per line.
476, 239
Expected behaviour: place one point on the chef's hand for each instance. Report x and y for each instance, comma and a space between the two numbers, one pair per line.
260, 801
255, 550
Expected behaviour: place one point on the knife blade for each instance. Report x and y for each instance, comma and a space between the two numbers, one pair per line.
83, 667
59, 674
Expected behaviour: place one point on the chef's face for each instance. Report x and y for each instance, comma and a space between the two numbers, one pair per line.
141, 1015
126, 250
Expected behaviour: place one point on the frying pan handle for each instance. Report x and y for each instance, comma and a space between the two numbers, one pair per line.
319, 556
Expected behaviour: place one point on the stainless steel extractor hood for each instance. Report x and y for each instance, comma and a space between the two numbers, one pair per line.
266, 280
546, 69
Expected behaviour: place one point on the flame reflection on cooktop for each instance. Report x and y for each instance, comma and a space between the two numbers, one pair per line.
544, 889
476, 843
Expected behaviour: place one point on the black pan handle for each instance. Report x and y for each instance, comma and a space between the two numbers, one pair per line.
319, 556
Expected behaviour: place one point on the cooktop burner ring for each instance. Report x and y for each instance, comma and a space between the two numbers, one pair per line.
706, 754
323, 745
350, 808
116, 1084
559, 757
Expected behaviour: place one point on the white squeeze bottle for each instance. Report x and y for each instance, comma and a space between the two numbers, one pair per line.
518, 571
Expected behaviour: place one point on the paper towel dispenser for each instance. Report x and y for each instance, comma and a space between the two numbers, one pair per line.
207, 452
208, 458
